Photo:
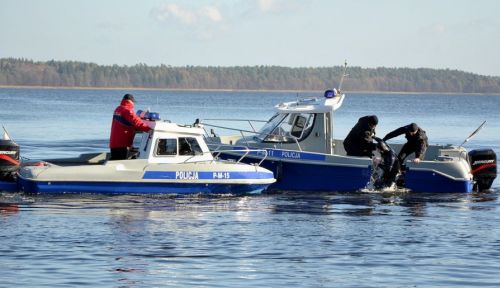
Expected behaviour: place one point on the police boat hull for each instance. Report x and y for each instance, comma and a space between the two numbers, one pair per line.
321, 172
139, 177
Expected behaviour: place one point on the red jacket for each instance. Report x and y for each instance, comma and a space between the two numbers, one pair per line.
125, 123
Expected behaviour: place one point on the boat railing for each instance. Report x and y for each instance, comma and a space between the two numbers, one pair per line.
228, 128
249, 121
261, 152
243, 131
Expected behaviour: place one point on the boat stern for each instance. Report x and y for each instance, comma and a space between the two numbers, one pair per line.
446, 175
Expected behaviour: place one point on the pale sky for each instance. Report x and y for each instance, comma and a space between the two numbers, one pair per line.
454, 34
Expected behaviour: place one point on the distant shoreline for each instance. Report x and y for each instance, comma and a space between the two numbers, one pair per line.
230, 90
81, 75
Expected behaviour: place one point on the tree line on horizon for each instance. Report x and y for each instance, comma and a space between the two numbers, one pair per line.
25, 72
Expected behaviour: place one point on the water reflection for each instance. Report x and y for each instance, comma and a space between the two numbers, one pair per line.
169, 232
8, 208
10, 202
373, 204
124, 210
323, 203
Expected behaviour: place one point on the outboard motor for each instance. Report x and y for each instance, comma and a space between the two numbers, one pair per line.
9, 159
483, 163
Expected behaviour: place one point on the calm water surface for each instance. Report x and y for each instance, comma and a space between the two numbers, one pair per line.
272, 240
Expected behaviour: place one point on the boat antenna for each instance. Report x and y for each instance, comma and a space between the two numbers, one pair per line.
473, 133
157, 104
343, 75
6, 135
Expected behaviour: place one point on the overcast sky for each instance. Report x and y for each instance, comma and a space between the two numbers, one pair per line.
455, 34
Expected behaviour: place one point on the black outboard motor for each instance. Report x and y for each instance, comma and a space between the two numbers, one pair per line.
9, 160
483, 163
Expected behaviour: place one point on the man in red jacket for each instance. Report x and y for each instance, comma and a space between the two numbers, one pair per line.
125, 124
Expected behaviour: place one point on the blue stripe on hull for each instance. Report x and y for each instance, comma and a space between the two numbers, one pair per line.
6, 186
206, 175
137, 188
428, 181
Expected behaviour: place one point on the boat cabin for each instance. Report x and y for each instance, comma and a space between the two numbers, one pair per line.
304, 125
173, 143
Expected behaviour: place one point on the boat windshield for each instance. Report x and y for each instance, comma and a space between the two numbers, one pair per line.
287, 128
268, 128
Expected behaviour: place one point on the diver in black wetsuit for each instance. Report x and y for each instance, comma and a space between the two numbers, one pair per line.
417, 142
389, 165
359, 141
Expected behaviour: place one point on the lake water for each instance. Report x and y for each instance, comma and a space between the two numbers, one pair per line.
270, 240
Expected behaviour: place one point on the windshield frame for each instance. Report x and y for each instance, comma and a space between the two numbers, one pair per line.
279, 128
270, 125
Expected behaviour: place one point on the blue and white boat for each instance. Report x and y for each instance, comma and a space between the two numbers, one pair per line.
170, 159
304, 156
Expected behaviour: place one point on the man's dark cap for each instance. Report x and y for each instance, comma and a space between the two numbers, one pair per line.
413, 127
129, 97
373, 119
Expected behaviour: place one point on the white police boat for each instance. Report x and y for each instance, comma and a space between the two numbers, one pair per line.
170, 159
304, 156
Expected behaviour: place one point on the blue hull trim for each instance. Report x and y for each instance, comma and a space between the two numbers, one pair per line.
310, 177
136, 188
6, 186
183, 175
428, 181
296, 176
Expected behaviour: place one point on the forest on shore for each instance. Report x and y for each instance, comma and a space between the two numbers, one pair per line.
25, 72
